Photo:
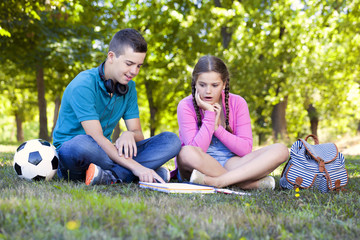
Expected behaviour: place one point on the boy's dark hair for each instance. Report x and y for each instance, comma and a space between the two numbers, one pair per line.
127, 38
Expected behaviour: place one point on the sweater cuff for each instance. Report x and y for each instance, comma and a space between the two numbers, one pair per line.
219, 132
209, 114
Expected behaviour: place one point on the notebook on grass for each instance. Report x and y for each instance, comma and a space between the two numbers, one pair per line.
177, 187
188, 188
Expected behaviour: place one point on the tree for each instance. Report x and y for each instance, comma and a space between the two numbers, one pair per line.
17, 88
171, 30
53, 37
295, 62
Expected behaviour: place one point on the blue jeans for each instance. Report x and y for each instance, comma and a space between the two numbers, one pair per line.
77, 154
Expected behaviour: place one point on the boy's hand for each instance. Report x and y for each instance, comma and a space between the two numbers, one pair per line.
126, 145
147, 175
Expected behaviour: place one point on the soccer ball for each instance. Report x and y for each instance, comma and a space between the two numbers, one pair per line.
36, 160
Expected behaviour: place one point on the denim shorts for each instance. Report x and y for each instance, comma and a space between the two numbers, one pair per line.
219, 151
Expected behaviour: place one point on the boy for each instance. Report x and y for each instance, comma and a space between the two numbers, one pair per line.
92, 105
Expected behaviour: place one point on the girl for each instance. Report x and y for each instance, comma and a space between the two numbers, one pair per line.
215, 131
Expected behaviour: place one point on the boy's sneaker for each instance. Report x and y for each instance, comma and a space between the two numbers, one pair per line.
95, 176
267, 182
164, 173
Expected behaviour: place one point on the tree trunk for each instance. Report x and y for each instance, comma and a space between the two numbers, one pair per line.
261, 138
260, 121
278, 115
116, 132
279, 121
226, 33
358, 128
19, 128
56, 113
40, 84
152, 120
153, 109
314, 119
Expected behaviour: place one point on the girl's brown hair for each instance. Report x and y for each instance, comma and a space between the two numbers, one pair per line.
211, 64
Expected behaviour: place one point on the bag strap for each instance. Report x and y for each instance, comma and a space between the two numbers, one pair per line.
314, 137
311, 151
337, 187
283, 171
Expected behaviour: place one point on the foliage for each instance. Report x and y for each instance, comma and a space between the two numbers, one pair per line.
48, 41
67, 210
303, 51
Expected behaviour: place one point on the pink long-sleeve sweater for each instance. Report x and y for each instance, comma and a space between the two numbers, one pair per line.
239, 142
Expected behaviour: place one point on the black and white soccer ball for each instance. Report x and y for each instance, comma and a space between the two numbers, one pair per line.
36, 159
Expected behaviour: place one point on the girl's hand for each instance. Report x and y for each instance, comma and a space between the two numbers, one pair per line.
202, 104
217, 108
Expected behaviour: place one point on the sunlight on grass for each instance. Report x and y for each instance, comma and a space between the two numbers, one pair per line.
67, 210
8, 148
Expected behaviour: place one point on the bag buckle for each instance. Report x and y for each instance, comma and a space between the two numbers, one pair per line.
298, 182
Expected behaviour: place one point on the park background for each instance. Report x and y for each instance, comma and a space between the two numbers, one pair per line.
295, 62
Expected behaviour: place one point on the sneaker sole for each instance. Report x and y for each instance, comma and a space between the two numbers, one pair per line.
90, 173
268, 183
167, 175
197, 177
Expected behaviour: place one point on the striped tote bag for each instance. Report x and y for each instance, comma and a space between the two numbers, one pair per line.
319, 166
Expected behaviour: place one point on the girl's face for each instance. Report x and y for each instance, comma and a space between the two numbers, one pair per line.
209, 85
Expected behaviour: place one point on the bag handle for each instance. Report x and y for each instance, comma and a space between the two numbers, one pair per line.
314, 137
313, 154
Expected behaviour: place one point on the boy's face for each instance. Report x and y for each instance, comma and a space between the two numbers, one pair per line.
126, 66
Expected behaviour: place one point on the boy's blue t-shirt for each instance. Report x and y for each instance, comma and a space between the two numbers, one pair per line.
86, 98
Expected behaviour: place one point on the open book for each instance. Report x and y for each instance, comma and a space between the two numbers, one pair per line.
187, 188
177, 187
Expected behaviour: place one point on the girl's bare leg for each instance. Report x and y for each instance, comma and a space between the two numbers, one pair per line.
246, 171
191, 158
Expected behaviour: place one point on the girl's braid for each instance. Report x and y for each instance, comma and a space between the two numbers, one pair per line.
197, 110
227, 88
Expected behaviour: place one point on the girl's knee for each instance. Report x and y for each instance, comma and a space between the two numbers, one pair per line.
188, 154
185, 152
282, 151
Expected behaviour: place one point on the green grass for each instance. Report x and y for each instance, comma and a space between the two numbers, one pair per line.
67, 210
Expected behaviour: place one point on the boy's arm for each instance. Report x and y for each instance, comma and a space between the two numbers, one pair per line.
93, 128
126, 143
